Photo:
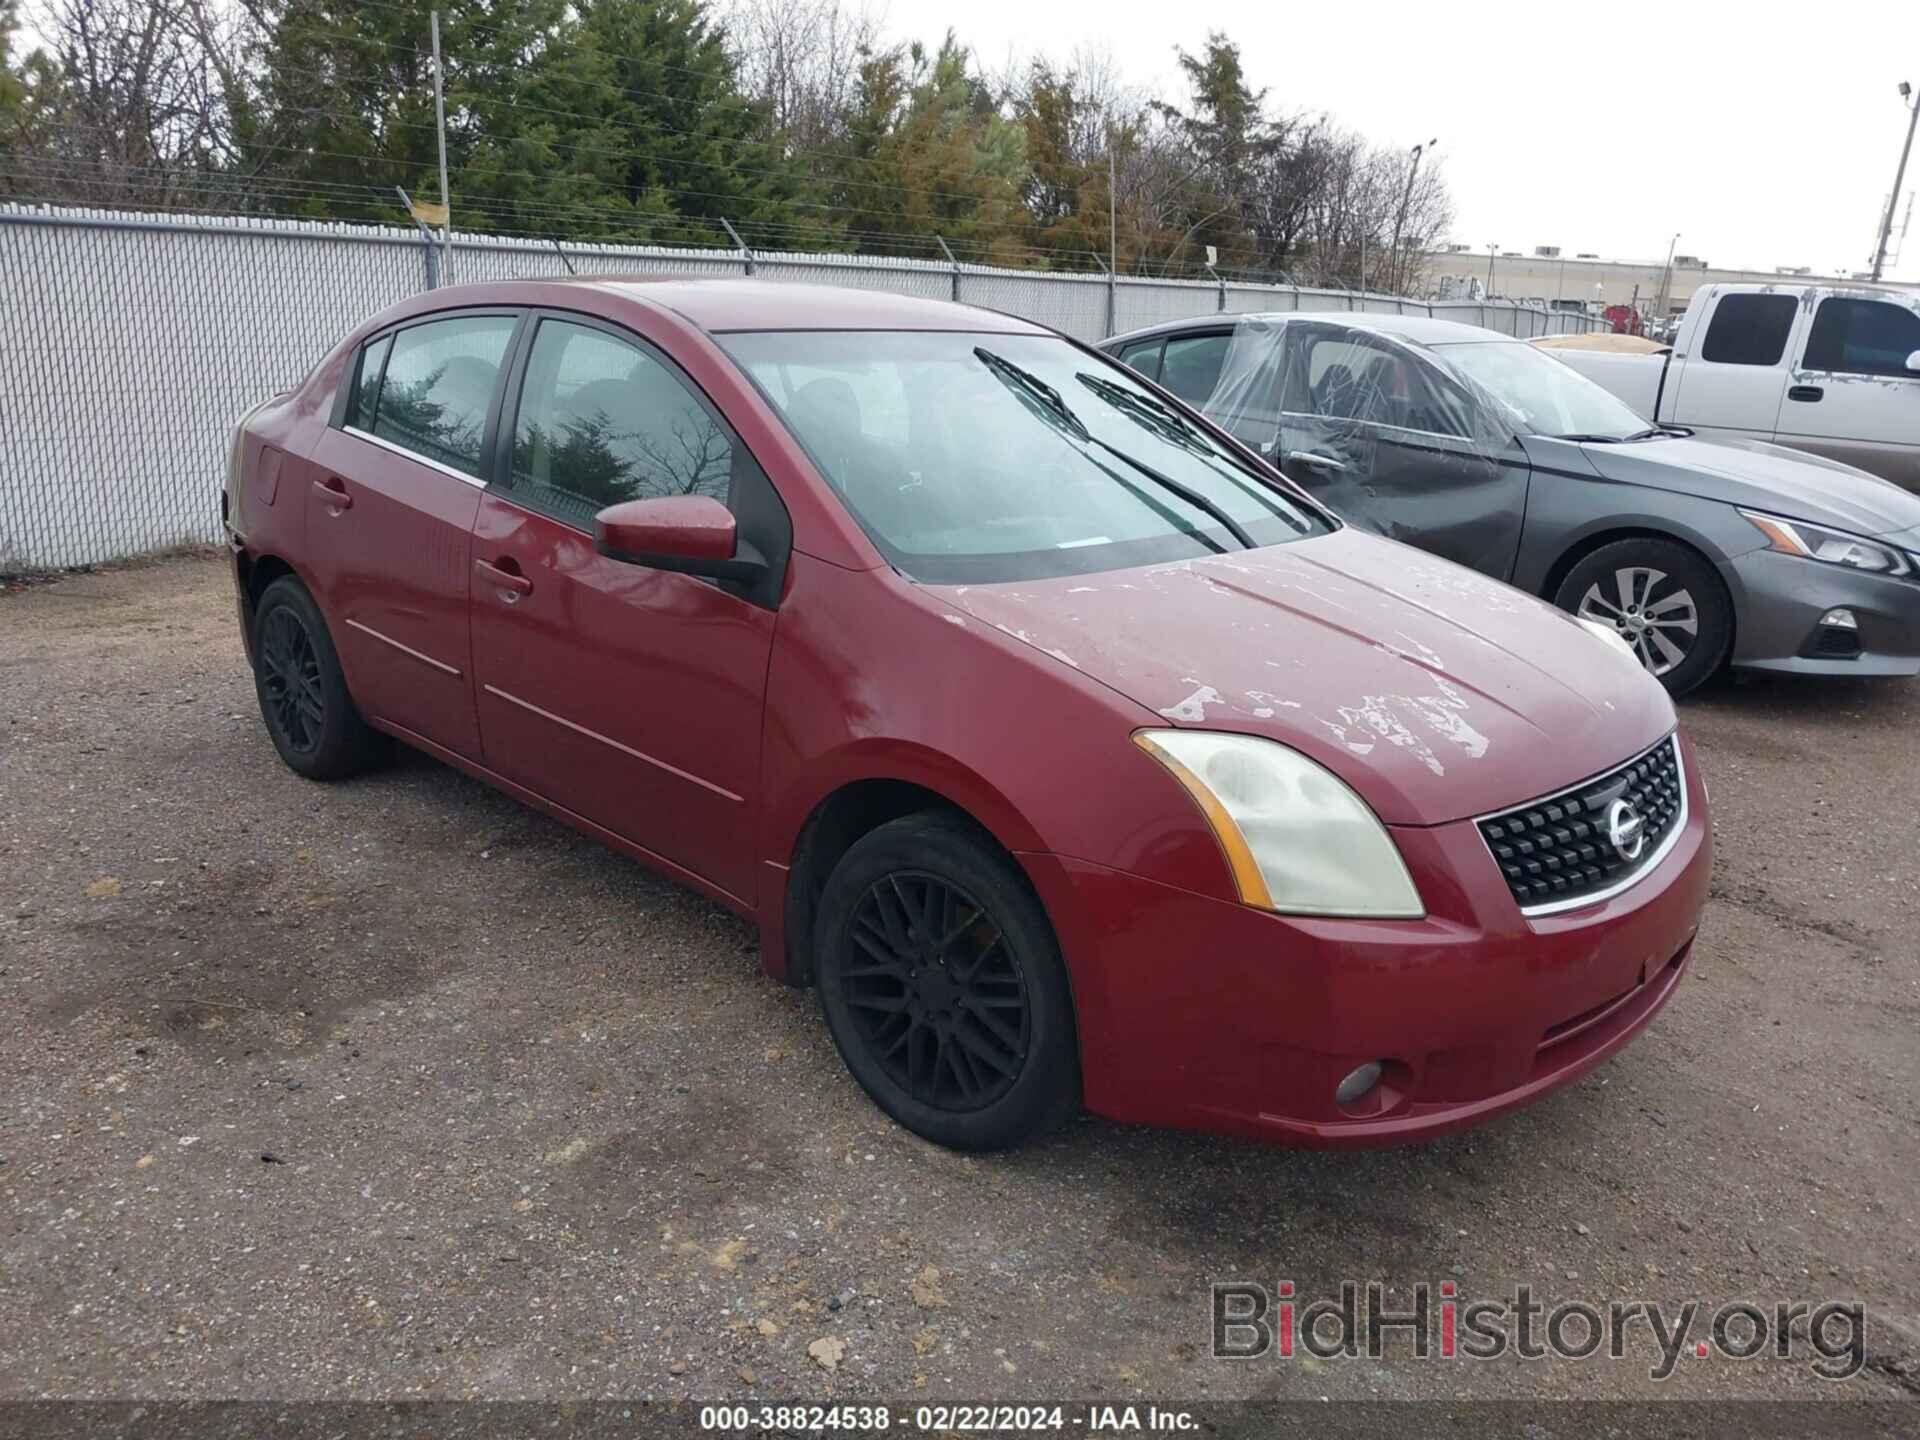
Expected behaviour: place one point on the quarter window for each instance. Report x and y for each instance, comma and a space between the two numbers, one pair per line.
438, 387
1144, 357
1192, 366
1749, 329
602, 420
373, 363
1863, 337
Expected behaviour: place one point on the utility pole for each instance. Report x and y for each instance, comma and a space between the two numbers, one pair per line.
1492, 245
1666, 278
440, 123
1406, 198
1899, 179
1113, 212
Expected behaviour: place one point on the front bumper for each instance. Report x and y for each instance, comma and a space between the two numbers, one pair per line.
1204, 1014
1783, 597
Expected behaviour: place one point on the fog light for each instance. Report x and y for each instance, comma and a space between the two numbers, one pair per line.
1359, 1081
1841, 619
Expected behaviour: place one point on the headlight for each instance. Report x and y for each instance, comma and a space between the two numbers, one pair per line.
1612, 636
1297, 839
1836, 547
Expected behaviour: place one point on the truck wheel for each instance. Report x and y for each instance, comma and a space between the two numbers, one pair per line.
1666, 601
943, 985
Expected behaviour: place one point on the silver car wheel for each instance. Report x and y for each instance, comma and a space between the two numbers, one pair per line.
1656, 617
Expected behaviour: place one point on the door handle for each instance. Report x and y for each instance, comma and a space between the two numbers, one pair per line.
512, 582
334, 491
1804, 392
1315, 461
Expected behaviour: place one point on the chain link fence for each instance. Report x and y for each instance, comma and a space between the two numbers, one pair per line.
131, 343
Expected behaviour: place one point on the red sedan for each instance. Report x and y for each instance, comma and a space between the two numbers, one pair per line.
1072, 754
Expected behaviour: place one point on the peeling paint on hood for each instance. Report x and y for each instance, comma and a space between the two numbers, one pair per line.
1435, 692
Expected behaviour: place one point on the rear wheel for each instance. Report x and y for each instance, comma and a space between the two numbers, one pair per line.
1664, 599
943, 987
310, 717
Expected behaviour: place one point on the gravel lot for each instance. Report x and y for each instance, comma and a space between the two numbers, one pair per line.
393, 1088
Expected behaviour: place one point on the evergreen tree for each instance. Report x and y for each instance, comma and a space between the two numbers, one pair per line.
929, 153
1229, 138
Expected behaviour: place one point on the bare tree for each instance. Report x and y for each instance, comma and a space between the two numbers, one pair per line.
142, 106
801, 60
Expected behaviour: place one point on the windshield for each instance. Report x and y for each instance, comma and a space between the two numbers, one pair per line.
1545, 396
981, 457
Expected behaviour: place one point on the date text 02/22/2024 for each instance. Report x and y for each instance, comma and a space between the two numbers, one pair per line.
1093, 1419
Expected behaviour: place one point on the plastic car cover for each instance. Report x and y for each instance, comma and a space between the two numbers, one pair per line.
1385, 432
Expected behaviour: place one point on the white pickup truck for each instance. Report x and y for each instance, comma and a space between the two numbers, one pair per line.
1834, 372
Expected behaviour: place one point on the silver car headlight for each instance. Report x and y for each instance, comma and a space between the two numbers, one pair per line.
1836, 547
1296, 837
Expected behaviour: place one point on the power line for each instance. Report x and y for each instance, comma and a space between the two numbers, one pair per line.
1187, 187
490, 204
490, 208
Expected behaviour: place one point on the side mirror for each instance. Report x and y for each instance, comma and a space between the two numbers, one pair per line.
1913, 363
687, 534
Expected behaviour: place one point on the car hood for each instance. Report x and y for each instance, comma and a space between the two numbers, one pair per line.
1435, 692
1763, 476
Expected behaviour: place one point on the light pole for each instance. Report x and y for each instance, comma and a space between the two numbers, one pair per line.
1394, 281
1899, 179
1492, 245
1666, 277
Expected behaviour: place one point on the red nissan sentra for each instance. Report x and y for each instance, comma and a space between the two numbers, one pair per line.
1071, 753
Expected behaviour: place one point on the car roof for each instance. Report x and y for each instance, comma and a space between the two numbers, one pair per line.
1421, 329
721, 304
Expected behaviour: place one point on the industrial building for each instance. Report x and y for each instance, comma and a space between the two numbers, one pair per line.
1546, 275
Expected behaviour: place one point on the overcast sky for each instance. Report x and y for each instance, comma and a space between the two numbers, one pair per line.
1764, 135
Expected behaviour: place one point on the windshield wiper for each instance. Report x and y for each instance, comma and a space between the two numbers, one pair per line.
1150, 411
1012, 374
1006, 370
1185, 492
1163, 420
1594, 439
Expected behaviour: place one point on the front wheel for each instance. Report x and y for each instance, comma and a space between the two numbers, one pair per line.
1664, 599
943, 986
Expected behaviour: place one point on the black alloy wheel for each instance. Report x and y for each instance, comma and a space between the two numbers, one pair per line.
309, 715
943, 986
294, 703
935, 994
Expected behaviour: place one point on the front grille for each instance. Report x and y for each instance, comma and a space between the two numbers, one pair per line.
1559, 852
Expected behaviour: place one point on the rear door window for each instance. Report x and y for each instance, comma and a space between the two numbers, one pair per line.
1749, 329
1863, 337
439, 385
1192, 364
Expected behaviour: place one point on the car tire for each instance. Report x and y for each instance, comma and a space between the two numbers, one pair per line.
943, 987
1663, 597
309, 715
